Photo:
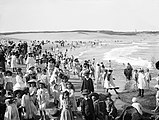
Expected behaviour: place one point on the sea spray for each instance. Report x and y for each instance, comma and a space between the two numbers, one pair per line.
122, 55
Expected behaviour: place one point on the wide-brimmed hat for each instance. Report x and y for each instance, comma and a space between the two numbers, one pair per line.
8, 72
141, 70
94, 94
41, 82
9, 96
19, 69
30, 53
85, 92
9, 99
156, 86
86, 72
32, 81
109, 69
30, 67
134, 99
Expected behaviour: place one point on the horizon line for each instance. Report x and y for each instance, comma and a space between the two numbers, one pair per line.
58, 31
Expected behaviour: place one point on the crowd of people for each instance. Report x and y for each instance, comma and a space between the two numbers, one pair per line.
44, 83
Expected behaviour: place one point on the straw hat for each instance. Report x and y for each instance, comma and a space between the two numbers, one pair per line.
8, 72
86, 72
30, 67
134, 99
156, 86
85, 92
32, 81
94, 94
19, 69
41, 82
141, 70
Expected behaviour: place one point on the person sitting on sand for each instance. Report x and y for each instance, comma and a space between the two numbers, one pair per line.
157, 99
111, 111
137, 105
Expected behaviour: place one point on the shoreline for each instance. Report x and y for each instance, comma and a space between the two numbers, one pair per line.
123, 55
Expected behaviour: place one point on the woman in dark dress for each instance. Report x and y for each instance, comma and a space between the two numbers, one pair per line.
2, 60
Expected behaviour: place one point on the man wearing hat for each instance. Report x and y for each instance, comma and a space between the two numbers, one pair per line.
87, 82
87, 107
43, 97
137, 105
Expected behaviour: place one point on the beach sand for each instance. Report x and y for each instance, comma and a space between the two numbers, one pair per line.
139, 50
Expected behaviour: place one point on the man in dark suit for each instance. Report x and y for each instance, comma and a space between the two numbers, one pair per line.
87, 107
2, 60
87, 82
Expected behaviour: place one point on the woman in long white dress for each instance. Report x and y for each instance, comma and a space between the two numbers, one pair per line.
30, 61
11, 110
13, 62
66, 113
108, 81
141, 83
20, 82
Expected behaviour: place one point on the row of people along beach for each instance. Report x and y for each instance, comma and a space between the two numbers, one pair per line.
43, 80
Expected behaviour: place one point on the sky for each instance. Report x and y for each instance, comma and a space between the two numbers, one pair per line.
54, 15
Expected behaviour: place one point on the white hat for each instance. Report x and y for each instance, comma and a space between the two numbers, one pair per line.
134, 99
31, 66
16, 87
32, 81
156, 86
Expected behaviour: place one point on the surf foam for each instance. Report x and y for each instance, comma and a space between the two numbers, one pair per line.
122, 55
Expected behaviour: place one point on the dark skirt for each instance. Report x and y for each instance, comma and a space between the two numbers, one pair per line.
9, 86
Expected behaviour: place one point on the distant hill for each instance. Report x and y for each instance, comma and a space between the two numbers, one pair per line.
95, 31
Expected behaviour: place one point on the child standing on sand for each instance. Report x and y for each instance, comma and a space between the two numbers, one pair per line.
135, 77
148, 78
13, 61
66, 113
